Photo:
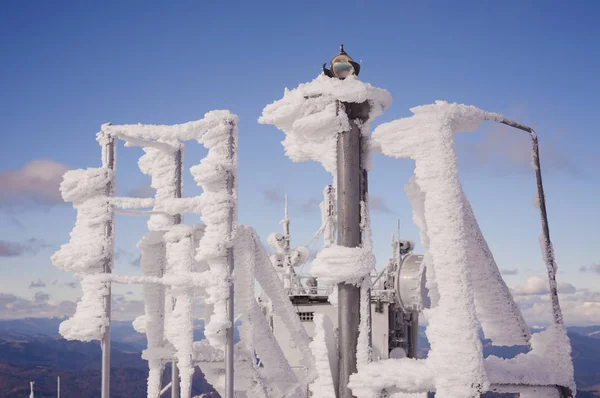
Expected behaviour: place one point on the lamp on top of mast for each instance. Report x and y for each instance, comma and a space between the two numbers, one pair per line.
342, 66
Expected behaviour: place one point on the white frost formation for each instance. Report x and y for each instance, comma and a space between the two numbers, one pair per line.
312, 115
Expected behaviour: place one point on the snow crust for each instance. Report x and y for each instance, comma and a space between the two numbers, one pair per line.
312, 114
548, 362
411, 375
339, 264
89, 247
89, 321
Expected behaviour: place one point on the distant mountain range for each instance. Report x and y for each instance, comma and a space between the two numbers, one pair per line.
32, 350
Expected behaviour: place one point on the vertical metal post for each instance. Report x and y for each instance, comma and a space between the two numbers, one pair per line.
108, 161
177, 219
229, 370
57, 386
349, 175
414, 334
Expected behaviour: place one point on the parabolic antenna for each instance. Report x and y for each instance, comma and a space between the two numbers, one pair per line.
410, 283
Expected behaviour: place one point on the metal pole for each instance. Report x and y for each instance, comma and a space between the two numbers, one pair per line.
229, 369
414, 334
108, 161
58, 386
548, 250
349, 176
177, 219
174, 380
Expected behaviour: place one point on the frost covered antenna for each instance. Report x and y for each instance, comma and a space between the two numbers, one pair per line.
285, 259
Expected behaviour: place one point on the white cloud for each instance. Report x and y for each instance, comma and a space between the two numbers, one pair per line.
14, 307
38, 182
537, 285
580, 308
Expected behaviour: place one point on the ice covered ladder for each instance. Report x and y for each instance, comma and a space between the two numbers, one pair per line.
466, 289
179, 262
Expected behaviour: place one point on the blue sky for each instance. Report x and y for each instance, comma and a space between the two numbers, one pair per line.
68, 67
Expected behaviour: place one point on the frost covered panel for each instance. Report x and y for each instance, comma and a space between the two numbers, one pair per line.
255, 333
312, 115
417, 201
468, 282
500, 317
427, 137
269, 281
324, 349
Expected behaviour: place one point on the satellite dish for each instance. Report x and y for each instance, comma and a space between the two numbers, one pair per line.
410, 283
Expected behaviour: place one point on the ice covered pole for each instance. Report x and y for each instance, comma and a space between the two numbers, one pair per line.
316, 119
349, 184
107, 142
177, 220
546, 243
231, 220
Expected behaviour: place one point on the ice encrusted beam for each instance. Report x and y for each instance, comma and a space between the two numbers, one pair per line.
217, 176
179, 329
153, 264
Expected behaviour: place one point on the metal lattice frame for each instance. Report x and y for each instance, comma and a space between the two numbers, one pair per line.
164, 282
